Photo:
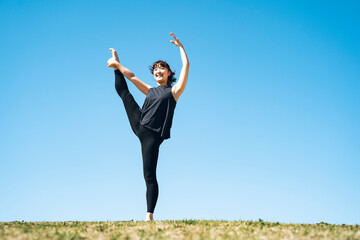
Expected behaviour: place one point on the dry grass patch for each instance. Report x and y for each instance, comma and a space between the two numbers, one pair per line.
183, 229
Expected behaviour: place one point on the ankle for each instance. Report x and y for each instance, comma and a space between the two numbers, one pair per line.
149, 217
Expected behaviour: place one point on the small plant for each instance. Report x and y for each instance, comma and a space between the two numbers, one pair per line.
261, 222
191, 222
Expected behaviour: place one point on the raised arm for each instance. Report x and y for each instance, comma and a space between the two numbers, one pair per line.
115, 63
179, 87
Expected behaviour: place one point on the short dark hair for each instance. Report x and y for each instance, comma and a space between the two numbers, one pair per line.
162, 63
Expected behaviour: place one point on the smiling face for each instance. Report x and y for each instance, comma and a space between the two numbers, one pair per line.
161, 74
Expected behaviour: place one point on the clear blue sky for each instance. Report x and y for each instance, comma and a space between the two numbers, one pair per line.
268, 126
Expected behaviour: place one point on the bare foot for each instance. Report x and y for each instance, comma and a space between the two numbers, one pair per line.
114, 53
113, 63
149, 217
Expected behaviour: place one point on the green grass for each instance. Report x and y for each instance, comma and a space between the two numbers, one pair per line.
185, 229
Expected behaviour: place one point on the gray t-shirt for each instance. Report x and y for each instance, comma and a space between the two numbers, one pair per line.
158, 110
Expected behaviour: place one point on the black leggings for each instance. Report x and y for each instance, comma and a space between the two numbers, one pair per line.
150, 140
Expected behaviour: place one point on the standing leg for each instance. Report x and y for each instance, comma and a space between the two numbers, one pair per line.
132, 108
150, 144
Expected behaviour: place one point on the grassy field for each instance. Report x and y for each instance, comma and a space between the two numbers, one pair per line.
185, 229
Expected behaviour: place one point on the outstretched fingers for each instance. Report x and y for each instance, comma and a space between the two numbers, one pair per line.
176, 42
173, 36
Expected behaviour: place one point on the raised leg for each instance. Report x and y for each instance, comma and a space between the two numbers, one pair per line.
131, 107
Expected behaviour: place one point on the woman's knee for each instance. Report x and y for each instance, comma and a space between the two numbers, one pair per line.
128, 97
150, 176
122, 92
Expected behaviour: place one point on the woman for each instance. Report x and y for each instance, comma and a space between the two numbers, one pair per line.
152, 123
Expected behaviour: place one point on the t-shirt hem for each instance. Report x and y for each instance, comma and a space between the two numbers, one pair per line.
157, 131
